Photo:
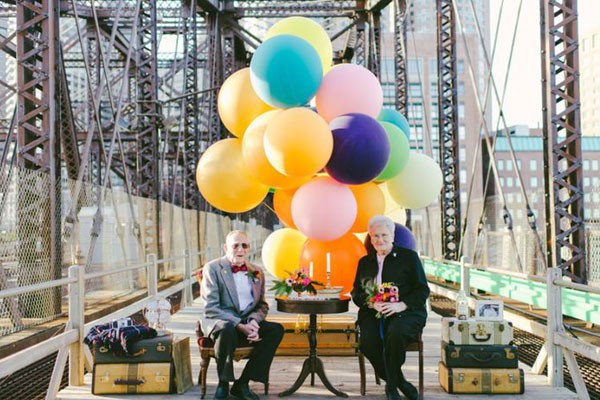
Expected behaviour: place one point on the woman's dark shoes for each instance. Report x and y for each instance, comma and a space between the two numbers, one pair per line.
391, 393
242, 391
408, 390
222, 392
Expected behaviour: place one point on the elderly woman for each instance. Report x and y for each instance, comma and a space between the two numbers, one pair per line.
387, 327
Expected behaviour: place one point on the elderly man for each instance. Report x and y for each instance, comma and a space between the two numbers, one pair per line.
383, 340
233, 293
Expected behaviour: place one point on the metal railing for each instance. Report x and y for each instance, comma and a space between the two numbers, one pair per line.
535, 290
69, 344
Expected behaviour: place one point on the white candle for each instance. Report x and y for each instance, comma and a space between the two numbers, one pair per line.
328, 263
310, 270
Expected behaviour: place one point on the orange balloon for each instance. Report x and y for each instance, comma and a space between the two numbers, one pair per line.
253, 151
238, 104
370, 201
344, 255
282, 203
224, 181
298, 142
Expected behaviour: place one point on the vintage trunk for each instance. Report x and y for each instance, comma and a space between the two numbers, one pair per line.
474, 356
132, 378
335, 335
481, 380
155, 350
470, 331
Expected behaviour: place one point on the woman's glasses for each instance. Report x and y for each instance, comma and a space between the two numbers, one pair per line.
242, 245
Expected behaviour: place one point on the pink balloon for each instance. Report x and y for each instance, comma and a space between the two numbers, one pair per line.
349, 88
323, 209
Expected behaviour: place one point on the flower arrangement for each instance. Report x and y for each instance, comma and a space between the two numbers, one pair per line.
297, 282
380, 292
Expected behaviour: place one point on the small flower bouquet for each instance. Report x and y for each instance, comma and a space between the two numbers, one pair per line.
297, 282
253, 274
380, 292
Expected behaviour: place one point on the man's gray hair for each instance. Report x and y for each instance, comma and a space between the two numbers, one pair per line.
382, 220
236, 232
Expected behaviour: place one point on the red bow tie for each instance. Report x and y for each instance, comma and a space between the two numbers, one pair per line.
238, 268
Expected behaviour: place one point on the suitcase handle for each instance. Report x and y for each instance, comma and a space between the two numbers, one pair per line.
481, 339
120, 381
482, 359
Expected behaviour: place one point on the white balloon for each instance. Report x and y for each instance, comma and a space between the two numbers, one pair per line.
418, 184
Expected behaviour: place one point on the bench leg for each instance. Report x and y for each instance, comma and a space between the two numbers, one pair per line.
204, 362
267, 387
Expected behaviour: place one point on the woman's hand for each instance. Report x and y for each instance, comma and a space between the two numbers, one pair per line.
388, 309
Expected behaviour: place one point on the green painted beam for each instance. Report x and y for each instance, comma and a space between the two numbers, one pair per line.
575, 303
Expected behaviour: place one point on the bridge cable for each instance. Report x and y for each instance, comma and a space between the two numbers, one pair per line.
530, 214
506, 213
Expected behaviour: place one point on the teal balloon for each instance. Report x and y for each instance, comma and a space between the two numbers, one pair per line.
399, 149
394, 117
286, 71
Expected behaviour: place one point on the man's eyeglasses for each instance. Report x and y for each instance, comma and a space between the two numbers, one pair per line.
244, 246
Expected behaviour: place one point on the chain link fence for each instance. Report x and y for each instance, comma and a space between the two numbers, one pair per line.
101, 235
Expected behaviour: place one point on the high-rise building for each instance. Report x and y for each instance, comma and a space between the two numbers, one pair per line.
589, 83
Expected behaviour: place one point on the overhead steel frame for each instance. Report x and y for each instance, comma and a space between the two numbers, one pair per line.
565, 229
400, 59
448, 134
148, 182
39, 208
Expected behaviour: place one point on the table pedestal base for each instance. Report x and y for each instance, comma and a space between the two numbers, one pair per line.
312, 366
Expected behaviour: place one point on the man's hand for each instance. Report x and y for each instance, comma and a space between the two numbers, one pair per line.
250, 330
388, 309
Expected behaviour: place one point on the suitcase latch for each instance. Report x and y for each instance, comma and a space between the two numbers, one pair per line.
104, 378
161, 347
460, 377
160, 378
461, 327
512, 378
103, 349
455, 353
509, 354
475, 382
501, 327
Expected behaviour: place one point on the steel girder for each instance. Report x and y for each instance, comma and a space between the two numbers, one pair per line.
147, 180
565, 229
400, 59
38, 200
448, 134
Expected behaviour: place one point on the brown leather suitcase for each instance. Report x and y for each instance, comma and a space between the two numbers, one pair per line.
486, 356
132, 378
481, 380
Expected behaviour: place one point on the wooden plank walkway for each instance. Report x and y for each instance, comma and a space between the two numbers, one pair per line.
342, 371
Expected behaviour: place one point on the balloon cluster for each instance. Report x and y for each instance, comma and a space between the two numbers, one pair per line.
329, 166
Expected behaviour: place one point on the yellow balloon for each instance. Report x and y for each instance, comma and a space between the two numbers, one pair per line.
281, 252
298, 142
308, 30
238, 104
224, 181
370, 201
253, 151
392, 209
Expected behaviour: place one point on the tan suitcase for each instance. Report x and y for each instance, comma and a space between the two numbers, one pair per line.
476, 332
481, 380
132, 378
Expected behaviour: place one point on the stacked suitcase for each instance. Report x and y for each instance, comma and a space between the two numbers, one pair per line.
479, 357
148, 368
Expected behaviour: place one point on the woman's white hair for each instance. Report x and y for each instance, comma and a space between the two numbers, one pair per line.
382, 220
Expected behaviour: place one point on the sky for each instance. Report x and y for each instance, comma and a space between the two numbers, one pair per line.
524, 91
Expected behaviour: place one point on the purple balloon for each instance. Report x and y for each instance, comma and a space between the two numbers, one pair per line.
403, 237
361, 149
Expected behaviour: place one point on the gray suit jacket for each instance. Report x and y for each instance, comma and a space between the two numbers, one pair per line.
220, 299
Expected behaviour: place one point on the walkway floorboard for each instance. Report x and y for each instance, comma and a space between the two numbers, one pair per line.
342, 371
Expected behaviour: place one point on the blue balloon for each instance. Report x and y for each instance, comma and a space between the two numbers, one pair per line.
361, 149
286, 71
403, 237
394, 117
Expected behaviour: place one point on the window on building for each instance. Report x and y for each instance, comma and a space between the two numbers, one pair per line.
463, 176
587, 197
509, 198
501, 180
414, 91
462, 154
461, 110
519, 164
461, 133
509, 181
433, 68
594, 165
414, 68
586, 181
509, 165
463, 197
460, 66
461, 89
533, 165
500, 165
533, 182
596, 197
586, 165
